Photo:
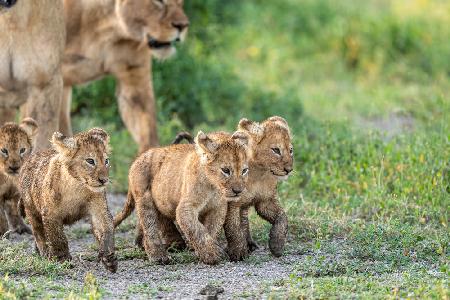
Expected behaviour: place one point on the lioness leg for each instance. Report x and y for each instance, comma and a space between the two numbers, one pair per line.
149, 220
57, 244
245, 225
235, 234
44, 107
103, 229
65, 125
272, 212
205, 246
137, 104
15, 221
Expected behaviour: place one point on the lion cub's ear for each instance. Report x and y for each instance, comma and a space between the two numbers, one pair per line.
99, 134
253, 128
280, 122
205, 143
241, 138
30, 126
63, 144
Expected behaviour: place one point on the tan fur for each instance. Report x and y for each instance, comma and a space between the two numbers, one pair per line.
15, 147
266, 169
60, 186
32, 39
111, 37
187, 184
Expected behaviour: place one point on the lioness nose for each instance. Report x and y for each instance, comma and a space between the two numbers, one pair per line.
237, 191
180, 25
8, 3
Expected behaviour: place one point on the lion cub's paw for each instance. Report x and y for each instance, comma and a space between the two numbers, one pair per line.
252, 246
110, 262
21, 229
213, 256
238, 254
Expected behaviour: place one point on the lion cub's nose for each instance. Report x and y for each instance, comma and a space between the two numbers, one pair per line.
103, 181
14, 169
237, 191
288, 170
180, 25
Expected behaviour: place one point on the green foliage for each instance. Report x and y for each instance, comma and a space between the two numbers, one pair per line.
15, 259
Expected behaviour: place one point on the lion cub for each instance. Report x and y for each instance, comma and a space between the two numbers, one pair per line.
189, 184
15, 146
64, 184
271, 159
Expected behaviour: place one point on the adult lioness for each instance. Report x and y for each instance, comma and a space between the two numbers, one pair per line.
117, 37
32, 36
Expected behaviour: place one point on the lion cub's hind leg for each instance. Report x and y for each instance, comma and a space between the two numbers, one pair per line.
170, 235
3, 222
149, 219
38, 233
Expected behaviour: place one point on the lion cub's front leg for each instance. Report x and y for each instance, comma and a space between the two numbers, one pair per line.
55, 239
12, 212
197, 235
271, 211
235, 234
103, 229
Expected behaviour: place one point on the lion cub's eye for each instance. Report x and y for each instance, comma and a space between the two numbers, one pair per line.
22, 150
245, 171
276, 151
291, 151
4, 151
90, 161
107, 162
226, 171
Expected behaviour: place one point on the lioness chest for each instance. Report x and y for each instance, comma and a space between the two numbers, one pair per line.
31, 45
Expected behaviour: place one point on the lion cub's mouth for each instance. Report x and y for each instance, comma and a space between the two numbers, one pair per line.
280, 177
155, 44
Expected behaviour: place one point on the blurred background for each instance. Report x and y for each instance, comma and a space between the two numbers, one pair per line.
364, 85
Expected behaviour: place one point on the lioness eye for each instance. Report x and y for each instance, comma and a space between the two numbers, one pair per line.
245, 171
22, 150
276, 151
226, 171
90, 161
4, 151
107, 161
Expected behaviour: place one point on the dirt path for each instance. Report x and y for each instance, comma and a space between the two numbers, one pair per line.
137, 278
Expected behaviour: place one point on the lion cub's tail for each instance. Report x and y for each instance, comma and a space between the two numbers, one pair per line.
126, 210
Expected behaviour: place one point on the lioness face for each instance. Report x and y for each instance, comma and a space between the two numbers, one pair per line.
15, 145
86, 157
158, 23
224, 159
271, 145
